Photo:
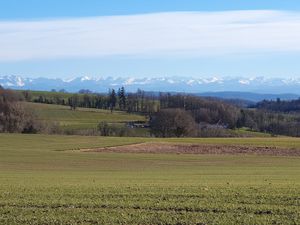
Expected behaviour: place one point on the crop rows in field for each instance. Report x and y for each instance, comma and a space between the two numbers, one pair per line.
151, 205
43, 182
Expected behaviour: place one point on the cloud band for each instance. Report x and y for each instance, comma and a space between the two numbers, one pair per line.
173, 34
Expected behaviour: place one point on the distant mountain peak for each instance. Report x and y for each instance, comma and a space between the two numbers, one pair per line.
257, 84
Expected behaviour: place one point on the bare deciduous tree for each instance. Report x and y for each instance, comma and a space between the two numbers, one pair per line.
173, 122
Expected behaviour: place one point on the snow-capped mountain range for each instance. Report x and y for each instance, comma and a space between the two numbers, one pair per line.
166, 84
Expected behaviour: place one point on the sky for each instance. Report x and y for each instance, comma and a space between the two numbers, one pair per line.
67, 38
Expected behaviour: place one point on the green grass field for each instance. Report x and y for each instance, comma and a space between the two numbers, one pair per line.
81, 118
89, 118
42, 182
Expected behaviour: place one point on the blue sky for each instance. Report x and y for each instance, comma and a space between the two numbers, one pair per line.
66, 38
33, 9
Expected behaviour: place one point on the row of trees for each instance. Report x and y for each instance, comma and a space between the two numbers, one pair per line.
185, 115
207, 110
280, 106
270, 122
204, 114
139, 102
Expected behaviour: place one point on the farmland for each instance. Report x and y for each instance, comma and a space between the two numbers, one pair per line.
46, 179
89, 118
81, 118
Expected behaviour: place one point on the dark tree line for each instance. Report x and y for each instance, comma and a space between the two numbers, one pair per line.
270, 122
139, 102
215, 115
203, 110
280, 106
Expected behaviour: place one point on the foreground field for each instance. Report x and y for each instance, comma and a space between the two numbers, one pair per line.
43, 182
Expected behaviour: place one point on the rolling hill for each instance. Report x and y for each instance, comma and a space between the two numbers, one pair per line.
81, 118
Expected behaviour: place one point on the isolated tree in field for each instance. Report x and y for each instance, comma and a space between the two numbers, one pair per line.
112, 99
172, 122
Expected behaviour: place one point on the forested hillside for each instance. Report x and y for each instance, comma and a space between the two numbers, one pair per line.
168, 115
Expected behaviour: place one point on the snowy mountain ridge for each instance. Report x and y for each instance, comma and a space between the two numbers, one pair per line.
171, 84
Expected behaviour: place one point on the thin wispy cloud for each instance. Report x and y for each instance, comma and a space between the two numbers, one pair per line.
159, 34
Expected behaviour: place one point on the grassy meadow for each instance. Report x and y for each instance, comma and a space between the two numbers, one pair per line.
81, 118
45, 179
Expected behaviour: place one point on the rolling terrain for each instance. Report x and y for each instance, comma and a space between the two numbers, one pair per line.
48, 179
81, 118
89, 118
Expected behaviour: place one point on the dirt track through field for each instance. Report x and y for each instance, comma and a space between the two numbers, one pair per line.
198, 149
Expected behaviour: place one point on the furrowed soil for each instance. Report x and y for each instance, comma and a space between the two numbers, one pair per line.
159, 148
